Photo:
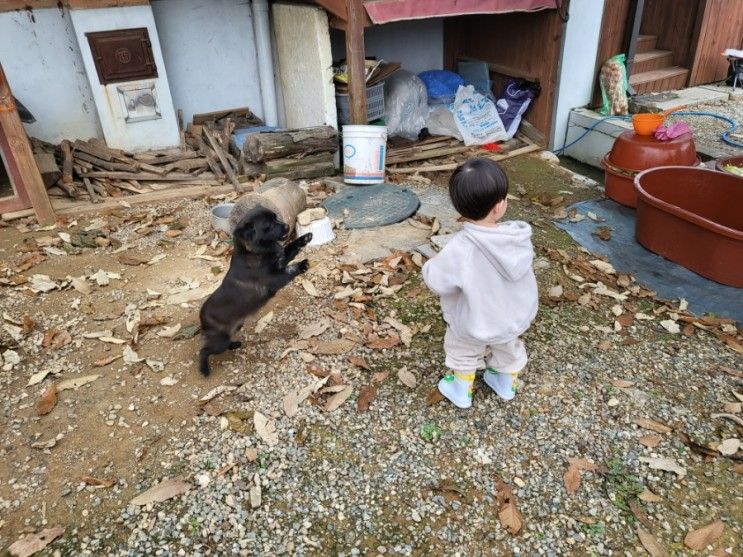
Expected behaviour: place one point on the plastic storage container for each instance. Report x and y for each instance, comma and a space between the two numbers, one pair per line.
364, 152
374, 104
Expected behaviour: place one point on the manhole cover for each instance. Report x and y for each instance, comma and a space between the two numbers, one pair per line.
370, 206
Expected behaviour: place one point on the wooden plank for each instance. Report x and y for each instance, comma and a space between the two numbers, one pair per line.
89, 187
720, 25
66, 162
15, 5
222, 159
20, 151
48, 168
675, 24
453, 165
355, 59
427, 154
120, 166
171, 177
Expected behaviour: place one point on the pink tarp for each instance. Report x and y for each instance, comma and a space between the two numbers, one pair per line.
385, 11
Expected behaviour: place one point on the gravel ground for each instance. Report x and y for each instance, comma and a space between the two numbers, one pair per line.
707, 130
406, 477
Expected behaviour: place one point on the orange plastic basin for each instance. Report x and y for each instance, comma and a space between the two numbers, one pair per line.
646, 124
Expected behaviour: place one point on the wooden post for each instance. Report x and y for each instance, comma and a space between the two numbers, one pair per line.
21, 153
355, 59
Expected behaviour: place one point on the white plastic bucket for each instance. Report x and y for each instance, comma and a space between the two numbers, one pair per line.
364, 151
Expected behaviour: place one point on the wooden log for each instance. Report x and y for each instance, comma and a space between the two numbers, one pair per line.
355, 60
210, 159
151, 168
222, 159
69, 189
312, 166
91, 192
47, 164
66, 162
19, 152
171, 177
106, 165
261, 147
187, 165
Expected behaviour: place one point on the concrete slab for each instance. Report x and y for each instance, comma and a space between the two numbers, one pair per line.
364, 245
676, 99
725, 89
599, 141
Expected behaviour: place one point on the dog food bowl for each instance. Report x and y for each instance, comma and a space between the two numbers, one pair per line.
322, 231
221, 217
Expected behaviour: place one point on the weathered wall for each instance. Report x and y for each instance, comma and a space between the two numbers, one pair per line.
210, 53
42, 61
418, 45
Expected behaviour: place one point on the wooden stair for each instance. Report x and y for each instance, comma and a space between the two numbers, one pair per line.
653, 70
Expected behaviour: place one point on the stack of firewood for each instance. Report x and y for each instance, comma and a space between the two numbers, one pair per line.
293, 154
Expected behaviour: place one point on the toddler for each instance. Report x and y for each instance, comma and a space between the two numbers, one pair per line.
486, 283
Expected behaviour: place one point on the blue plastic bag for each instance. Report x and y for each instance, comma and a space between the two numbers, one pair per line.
441, 85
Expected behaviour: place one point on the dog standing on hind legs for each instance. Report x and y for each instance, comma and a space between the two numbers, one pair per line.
259, 268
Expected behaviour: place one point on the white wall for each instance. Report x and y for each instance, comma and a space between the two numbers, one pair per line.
418, 44
150, 134
209, 50
42, 62
577, 65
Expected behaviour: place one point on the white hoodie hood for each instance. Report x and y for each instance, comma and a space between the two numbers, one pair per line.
485, 279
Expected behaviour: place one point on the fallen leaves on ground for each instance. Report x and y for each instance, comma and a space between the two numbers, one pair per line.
729, 446
56, 338
47, 401
367, 395
622, 384
651, 425
603, 232
33, 543
263, 322
107, 360
358, 361
332, 347
406, 377
314, 329
650, 441
167, 489
649, 497
651, 543
509, 515
434, 397
338, 398
310, 288
266, 429
666, 464
95, 482
384, 343
572, 476
705, 536
293, 399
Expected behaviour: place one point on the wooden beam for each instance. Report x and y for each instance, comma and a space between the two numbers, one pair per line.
22, 155
355, 59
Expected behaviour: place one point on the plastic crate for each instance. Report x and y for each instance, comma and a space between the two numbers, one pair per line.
374, 104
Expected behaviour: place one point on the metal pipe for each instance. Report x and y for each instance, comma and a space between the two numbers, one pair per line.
262, 31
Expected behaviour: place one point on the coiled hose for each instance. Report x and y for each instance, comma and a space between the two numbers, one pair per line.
724, 136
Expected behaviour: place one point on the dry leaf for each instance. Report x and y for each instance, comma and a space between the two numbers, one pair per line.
671, 326
358, 361
293, 399
112, 340
406, 377
47, 401
509, 515
603, 232
33, 543
251, 453
105, 361
332, 347
652, 425
310, 288
704, 537
367, 395
384, 343
555, 291
639, 513
571, 479
603, 266
338, 398
650, 441
434, 397
666, 464
315, 329
649, 497
582, 464
130, 356
95, 482
650, 543
733, 407
729, 446
167, 489
380, 377
169, 332
265, 429
263, 322
622, 383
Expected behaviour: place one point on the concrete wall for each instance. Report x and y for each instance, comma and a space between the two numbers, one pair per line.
42, 61
209, 51
418, 45
149, 134
577, 65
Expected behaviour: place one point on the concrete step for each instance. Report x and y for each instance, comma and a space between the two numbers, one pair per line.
646, 42
652, 60
663, 79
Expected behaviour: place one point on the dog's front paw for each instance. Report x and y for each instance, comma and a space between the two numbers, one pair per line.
303, 265
305, 239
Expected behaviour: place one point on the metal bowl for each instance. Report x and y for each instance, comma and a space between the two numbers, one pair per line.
220, 215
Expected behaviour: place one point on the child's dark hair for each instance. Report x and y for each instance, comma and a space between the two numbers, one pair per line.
476, 187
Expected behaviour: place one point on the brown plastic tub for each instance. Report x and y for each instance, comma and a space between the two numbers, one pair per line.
720, 164
693, 217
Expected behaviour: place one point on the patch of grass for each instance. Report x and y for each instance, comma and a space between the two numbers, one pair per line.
430, 432
193, 524
594, 530
209, 465
579, 394
263, 460
621, 486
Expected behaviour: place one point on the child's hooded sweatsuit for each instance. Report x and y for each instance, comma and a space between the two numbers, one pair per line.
486, 283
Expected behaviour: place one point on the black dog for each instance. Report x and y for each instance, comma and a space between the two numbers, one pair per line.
258, 269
